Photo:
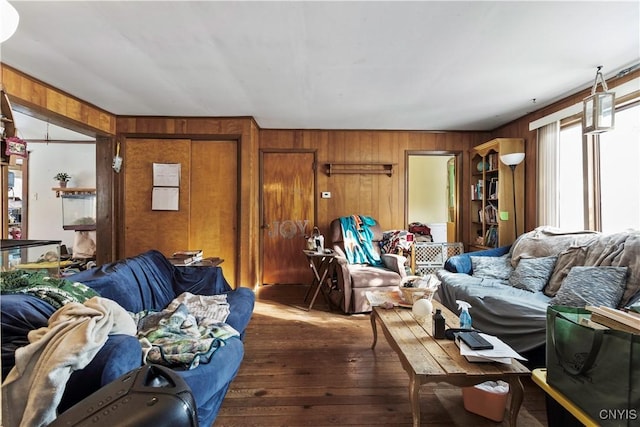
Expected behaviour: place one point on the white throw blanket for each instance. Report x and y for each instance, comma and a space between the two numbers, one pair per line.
75, 333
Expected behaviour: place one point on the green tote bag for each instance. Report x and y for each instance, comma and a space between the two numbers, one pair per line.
597, 369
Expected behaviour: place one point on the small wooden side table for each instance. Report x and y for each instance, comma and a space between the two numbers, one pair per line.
320, 263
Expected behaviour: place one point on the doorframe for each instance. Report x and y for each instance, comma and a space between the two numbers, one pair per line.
457, 155
261, 225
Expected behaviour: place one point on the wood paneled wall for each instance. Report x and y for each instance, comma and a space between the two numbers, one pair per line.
379, 196
245, 132
38, 99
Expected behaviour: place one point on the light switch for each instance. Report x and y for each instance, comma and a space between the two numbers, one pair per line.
326, 194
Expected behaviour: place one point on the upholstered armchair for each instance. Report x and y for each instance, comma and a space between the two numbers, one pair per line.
353, 280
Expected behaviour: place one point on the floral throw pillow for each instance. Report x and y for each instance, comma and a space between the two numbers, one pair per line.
592, 286
532, 274
492, 267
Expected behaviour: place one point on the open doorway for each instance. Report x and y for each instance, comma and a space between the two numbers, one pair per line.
432, 193
52, 149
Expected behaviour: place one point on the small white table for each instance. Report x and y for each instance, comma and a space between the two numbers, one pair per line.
320, 263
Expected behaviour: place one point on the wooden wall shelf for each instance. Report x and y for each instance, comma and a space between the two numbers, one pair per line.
359, 168
73, 190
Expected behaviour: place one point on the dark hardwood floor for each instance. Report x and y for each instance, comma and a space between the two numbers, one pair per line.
316, 368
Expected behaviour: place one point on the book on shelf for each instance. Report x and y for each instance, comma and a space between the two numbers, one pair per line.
492, 160
491, 214
491, 238
493, 189
477, 191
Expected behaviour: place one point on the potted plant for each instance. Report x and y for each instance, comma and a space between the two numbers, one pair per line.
62, 178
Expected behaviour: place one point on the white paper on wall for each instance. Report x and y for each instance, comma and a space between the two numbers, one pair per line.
165, 198
166, 174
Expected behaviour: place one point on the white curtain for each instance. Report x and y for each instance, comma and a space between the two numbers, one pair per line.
548, 167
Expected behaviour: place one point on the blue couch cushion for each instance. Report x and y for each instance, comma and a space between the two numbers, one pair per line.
19, 315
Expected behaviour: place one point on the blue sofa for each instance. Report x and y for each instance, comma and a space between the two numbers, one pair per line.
145, 282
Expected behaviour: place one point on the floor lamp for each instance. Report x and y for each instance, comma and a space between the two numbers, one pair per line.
512, 160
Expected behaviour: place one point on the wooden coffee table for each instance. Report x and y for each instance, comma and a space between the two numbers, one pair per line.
429, 360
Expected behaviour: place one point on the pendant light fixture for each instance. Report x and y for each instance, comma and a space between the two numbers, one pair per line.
598, 108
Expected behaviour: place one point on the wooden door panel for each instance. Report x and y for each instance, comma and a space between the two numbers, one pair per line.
288, 188
144, 228
214, 199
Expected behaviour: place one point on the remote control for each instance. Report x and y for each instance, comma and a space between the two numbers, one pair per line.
474, 340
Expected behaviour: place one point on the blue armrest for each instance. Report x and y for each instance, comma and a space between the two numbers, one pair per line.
462, 263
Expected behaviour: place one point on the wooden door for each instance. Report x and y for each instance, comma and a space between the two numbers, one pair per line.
288, 214
214, 200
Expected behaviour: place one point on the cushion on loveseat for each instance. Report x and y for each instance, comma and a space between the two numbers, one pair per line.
532, 274
492, 267
597, 286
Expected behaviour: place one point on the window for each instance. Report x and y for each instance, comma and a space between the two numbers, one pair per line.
620, 173
615, 170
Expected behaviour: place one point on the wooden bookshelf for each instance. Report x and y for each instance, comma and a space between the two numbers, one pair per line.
491, 212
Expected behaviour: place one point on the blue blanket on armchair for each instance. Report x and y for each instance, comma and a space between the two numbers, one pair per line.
358, 240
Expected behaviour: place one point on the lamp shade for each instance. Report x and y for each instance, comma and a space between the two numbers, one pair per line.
512, 159
9, 19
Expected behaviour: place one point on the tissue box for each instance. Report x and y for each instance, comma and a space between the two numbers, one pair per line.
489, 404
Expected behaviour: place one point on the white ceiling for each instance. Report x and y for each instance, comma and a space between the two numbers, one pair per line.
426, 65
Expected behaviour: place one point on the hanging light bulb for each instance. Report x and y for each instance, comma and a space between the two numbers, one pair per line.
9, 19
